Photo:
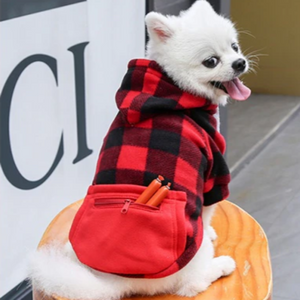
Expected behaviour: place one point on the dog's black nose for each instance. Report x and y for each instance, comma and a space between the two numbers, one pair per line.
239, 65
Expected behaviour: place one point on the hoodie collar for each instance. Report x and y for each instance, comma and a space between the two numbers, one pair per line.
147, 90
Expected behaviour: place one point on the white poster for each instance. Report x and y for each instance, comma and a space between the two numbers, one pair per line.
60, 69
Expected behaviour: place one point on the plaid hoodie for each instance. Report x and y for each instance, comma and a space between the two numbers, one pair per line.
162, 130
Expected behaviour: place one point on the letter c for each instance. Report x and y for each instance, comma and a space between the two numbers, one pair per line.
9, 167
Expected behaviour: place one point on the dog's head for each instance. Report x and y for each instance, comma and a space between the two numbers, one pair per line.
199, 50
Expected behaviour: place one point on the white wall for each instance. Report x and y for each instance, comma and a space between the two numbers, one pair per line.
42, 110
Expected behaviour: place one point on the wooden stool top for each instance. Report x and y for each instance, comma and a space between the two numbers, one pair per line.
239, 236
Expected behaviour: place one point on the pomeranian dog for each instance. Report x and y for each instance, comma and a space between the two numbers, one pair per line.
199, 54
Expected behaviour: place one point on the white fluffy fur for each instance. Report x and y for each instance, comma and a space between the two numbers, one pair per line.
179, 45
54, 269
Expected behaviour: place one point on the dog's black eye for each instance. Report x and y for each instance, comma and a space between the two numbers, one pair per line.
211, 62
235, 47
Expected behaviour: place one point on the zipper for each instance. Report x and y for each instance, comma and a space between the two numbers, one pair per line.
111, 196
103, 202
126, 204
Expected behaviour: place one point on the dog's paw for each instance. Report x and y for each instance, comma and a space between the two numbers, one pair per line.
211, 233
225, 264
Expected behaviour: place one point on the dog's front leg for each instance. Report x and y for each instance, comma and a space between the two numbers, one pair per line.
207, 214
217, 117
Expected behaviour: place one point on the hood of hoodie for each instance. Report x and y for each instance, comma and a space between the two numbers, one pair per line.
146, 90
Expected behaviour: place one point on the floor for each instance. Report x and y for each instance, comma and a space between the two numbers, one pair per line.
250, 121
269, 189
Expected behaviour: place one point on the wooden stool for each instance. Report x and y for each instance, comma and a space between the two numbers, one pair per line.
239, 236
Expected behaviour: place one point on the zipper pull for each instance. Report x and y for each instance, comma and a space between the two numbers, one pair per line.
126, 206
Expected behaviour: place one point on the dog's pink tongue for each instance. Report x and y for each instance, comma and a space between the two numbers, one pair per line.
237, 90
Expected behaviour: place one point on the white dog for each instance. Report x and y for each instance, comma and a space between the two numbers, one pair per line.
199, 50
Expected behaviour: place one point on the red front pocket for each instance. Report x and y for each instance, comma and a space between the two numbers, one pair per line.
115, 235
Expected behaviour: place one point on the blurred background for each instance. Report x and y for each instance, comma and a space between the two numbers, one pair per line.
61, 63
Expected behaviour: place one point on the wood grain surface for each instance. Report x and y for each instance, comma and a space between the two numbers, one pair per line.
239, 236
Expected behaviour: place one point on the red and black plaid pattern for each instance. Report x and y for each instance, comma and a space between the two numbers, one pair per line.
162, 130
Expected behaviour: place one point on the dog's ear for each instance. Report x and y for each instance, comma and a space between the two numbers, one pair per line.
201, 6
158, 26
